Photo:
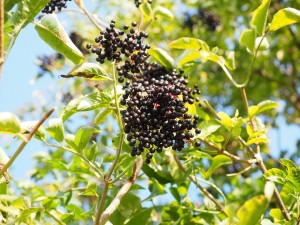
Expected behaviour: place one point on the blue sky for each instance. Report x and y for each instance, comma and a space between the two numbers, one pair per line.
16, 91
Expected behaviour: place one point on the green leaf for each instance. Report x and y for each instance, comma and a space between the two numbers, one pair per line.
88, 102
100, 117
230, 61
162, 57
91, 71
56, 129
208, 127
257, 140
70, 139
91, 190
225, 119
189, 43
29, 125
8, 5
276, 175
162, 11
188, 56
9, 123
217, 162
252, 210
52, 32
140, 218
26, 213
175, 172
259, 18
162, 178
83, 135
276, 214
289, 164
285, 17
247, 38
24, 14
146, 8
261, 107
156, 189
175, 193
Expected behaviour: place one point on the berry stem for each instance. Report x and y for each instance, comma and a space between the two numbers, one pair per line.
86, 12
113, 166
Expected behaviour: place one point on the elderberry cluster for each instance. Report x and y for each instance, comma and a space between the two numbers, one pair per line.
113, 43
139, 2
156, 116
156, 100
209, 18
55, 4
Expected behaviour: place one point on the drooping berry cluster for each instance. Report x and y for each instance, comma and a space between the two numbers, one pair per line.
156, 100
209, 18
139, 2
156, 116
113, 43
55, 4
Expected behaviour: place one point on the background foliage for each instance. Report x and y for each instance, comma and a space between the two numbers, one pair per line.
243, 55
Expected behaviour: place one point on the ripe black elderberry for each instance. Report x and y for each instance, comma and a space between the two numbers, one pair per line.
156, 100
139, 2
55, 4
114, 44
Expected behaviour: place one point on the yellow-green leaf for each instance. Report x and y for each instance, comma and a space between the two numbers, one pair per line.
217, 162
162, 57
189, 43
225, 119
9, 123
257, 140
247, 38
162, 11
259, 18
285, 17
91, 71
188, 56
252, 210
53, 33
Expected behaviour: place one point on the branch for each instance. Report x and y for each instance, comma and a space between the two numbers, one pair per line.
1, 35
205, 192
25, 142
125, 188
91, 17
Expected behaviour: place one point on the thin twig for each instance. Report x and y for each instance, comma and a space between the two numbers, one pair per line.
224, 152
125, 188
86, 12
25, 142
1, 35
204, 191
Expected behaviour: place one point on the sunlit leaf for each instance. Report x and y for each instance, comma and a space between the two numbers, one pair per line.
285, 17
208, 127
230, 61
53, 33
91, 71
56, 129
188, 56
162, 57
156, 189
140, 218
257, 140
189, 43
25, 12
252, 210
276, 175
91, 190
9, 123
217, 162
83, 135
259, 18
162, 11
247, 39
88, 102
29, 125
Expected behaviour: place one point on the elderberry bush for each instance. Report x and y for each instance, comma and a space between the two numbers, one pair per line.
156, 100
55, 4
